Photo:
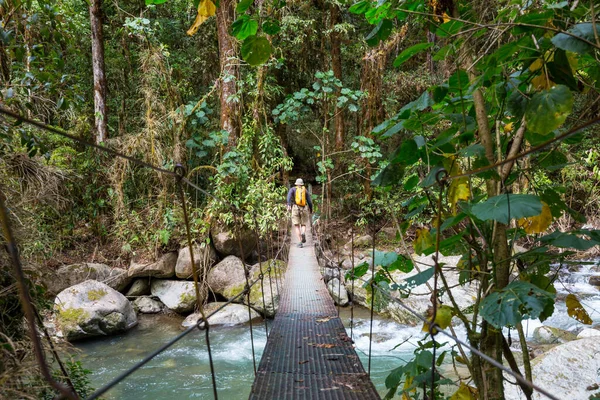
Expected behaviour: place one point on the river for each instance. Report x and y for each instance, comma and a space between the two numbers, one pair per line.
183, 372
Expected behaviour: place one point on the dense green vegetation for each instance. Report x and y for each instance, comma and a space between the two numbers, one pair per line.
475, 122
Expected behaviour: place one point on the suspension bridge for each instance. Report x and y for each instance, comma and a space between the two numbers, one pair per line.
308, 354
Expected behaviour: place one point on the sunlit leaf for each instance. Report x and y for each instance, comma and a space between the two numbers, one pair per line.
206, 9
464, 392
423, 241
443, 319
458, 191
244, 27
548, 109
243, 5
537, 223
576, 310
256, 50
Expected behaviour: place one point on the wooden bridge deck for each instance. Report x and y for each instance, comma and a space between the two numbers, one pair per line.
308, 354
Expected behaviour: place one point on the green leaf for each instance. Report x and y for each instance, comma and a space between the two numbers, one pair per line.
411, 183
271, 27
504, 207
459, 81
417, 279
361, 7
552, 160
244, 27
548, 110
406, 54
381, 32
449, 28
358, 271
392, 174
243, 5
516, 302
560, 70
570, 240
150, 2
256, 50
574, 43
402, 263
384, 258
408, 153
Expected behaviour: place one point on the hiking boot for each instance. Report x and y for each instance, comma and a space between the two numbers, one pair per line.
300, 245
303, 238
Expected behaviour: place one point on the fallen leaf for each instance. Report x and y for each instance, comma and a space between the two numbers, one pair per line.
303, 362
325, 319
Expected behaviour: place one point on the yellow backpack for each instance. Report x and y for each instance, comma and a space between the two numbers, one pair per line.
301, 196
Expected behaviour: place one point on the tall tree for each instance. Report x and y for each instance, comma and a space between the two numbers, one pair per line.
230, 107
100, 112
336, 66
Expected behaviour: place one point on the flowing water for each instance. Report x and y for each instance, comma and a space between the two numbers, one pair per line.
183, 372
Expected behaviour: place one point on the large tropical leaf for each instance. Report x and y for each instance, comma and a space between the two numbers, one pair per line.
516, 302
256, 50
548, 109
577, 42
505, 207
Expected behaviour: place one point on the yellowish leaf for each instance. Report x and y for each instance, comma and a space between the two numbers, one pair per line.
446, 17
542, 82
576, 310
443, 318
464, 392
508, 127
538, 223
423, 241
206, 9
537, 64
458, 191
461, 360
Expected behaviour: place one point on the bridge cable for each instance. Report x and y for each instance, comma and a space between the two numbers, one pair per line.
372, 291
352, 302
246, 275
261, 276
180, 171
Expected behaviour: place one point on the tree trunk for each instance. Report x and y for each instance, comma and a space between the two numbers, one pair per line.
336, 66
230, 109
373, 68
100, 114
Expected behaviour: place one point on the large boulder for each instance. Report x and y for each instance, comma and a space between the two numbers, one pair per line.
204, 257
551, 335
179, 296
227, 240
228, 279
588, 332
69, 275
566, 371
338, 292
419, 300
226, 275
139, 287
163, 268
92, 308
146, 305
231, 314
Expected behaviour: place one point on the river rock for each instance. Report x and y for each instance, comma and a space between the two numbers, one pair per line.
204, 257
146, 305
588, 332
551, 335
231, 314
330, 273
227, 275
360, 241
595, 280
226, 241
164, 267
179, 296
338, 292
139, 287
92, 308
69, 275
566, 371
265, 298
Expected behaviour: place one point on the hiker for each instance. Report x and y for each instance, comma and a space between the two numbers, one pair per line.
298, 200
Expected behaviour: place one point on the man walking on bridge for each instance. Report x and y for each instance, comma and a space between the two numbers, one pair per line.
298, 200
